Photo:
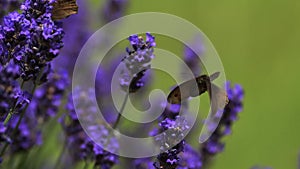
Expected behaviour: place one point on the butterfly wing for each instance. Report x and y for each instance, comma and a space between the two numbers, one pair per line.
63, 9
218, 99
180, 92
191, 88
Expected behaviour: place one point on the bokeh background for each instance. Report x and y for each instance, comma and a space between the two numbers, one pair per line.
258, 43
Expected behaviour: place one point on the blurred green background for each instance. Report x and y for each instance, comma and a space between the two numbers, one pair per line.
258, 43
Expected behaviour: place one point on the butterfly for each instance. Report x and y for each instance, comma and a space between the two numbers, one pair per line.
63, 9
189, 89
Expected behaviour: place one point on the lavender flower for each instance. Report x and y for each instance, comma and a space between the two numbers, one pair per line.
77, 32
82, 147
8, 6
26, 135
113, 9
12, 98
103, 93
47, 99
174, 130
170, 158
137, 61
3, 137
32, 39
143, 163
214, 145
191, 58
190, 158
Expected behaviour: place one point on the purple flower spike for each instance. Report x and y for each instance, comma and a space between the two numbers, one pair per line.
31, 38
190, 159
143, 163
8, 6
12, 97
114, 9
191, 57
47, 99
81, 146
214, 144
137, 62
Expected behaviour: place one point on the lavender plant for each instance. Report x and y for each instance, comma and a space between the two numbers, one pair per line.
214, 145
80, 144
7, 6
47, 99
29, 41
137, 62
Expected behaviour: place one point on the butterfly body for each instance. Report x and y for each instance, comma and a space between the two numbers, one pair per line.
191, 88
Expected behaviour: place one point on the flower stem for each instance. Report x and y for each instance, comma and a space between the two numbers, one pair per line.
18, 123
11, 111
59, 159
121, 111
8, 117
86, 165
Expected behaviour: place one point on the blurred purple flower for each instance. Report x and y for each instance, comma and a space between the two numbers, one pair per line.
113, 9
192, 58
143, 163
26, 135
7, 6
190, 158
77, 31
47, 99
12, 98
4, 138
214, 144
81, 146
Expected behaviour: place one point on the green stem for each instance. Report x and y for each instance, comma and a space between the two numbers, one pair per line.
11, 111
24, 158
8, 117
18, 123
86, 165
58, 162
121, 111
23, 112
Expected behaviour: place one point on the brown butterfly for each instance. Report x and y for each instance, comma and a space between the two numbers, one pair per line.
196, 87
63, 9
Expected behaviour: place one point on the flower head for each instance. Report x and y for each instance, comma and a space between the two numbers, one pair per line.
83, 147
137, 61
12, 98
190, 158
192, 58
31, 38
214, 144
47, 99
